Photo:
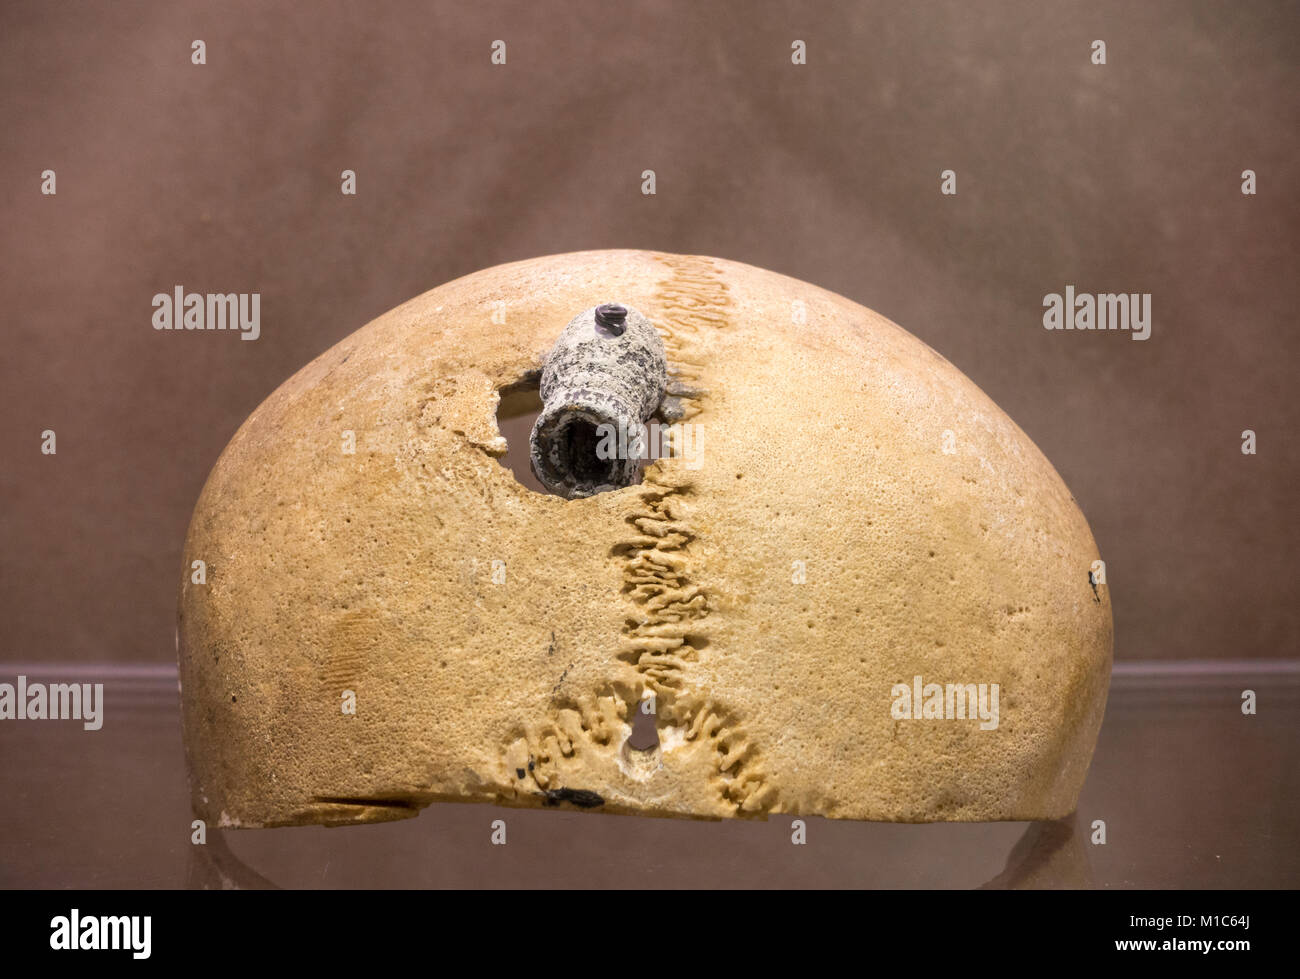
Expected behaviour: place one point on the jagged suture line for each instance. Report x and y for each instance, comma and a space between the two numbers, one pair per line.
666, 630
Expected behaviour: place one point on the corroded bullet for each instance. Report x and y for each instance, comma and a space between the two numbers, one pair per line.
606, 374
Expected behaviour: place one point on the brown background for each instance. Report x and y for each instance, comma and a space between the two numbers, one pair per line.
225, 177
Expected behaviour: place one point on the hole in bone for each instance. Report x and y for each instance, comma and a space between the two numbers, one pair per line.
645, 729
516, 413
517, 410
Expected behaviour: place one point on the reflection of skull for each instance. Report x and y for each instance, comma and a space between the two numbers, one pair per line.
354, 655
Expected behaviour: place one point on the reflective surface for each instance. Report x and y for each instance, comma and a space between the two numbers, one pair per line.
1193, 793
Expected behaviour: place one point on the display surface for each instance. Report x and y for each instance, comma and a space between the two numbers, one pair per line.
861, 593
1170, 779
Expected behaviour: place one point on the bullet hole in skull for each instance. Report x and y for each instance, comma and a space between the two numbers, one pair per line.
519, 406
517, 412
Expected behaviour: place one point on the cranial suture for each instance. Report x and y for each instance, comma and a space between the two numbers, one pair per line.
494, 643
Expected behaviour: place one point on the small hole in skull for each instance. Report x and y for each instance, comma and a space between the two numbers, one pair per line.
645, 731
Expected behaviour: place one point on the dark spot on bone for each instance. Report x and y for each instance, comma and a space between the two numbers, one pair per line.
582, 798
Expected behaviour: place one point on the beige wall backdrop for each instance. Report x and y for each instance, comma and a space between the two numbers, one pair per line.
225, 177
